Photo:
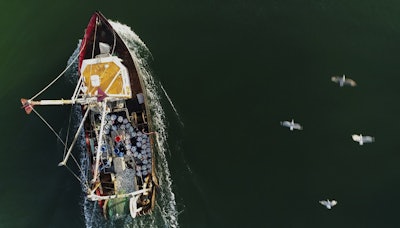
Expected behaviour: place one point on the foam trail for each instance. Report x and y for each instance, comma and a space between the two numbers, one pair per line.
172, 105
166, 214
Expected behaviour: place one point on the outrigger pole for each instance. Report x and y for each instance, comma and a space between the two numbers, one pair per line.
94, 197
100, 143
28, 104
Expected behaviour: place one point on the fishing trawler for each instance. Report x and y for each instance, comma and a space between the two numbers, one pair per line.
116, 123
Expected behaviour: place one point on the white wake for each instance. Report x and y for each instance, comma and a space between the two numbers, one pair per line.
166, 210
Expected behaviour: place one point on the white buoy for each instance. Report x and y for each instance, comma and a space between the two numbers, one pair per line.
138, 144
133, 148
113, 117
120, 119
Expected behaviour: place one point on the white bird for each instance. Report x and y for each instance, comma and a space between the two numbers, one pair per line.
328, 203
343, 81
291, 125
363, 139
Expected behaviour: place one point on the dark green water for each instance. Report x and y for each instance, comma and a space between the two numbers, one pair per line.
234, 70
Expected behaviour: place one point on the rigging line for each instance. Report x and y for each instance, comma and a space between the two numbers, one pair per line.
61, 74
65, 145
48, 125
77, 164
65, 159
76, 176
69, 125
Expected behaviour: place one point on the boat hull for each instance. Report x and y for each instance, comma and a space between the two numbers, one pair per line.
123, 125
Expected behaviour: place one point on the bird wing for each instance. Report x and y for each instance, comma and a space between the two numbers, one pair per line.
297, 126
335, 79
368, 139
324, 202
350, 82
285, 123
356, 138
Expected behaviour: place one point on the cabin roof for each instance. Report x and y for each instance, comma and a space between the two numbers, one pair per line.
107, 74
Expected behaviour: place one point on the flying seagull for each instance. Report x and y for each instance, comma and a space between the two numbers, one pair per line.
363, 139
328, 203
291, 125
343, 81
